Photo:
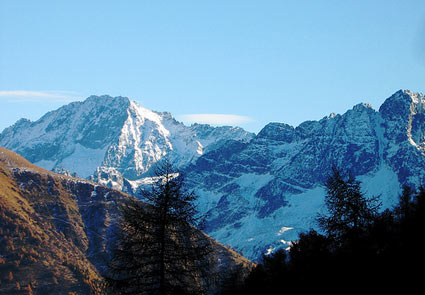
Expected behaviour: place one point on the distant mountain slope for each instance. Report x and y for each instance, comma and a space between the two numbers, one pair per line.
56, 231
259, 195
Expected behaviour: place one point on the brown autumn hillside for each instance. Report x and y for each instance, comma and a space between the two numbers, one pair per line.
56, 231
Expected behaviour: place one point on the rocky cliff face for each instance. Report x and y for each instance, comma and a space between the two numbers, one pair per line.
57, 231
259, 195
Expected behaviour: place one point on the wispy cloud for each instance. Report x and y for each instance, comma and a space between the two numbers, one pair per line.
38, 96
215, 119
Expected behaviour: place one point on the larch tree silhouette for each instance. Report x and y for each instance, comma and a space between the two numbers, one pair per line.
350, 211
160, 250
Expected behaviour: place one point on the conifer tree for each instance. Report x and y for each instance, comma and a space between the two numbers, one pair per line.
404, 208
160, 251
350, 211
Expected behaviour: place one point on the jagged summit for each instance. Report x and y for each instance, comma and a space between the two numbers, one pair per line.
107, 98
363, 107
277, 131
412, 93
402, 100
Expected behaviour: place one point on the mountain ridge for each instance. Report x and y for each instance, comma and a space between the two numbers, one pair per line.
271, 180
276, 181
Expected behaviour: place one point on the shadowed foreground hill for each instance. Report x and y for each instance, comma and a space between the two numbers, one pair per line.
56, 231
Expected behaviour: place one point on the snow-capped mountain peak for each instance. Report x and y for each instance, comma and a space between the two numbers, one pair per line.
111, 132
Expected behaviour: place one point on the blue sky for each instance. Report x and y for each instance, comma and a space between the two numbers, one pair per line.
251, 62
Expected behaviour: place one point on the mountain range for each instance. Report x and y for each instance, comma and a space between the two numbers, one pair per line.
258, 191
